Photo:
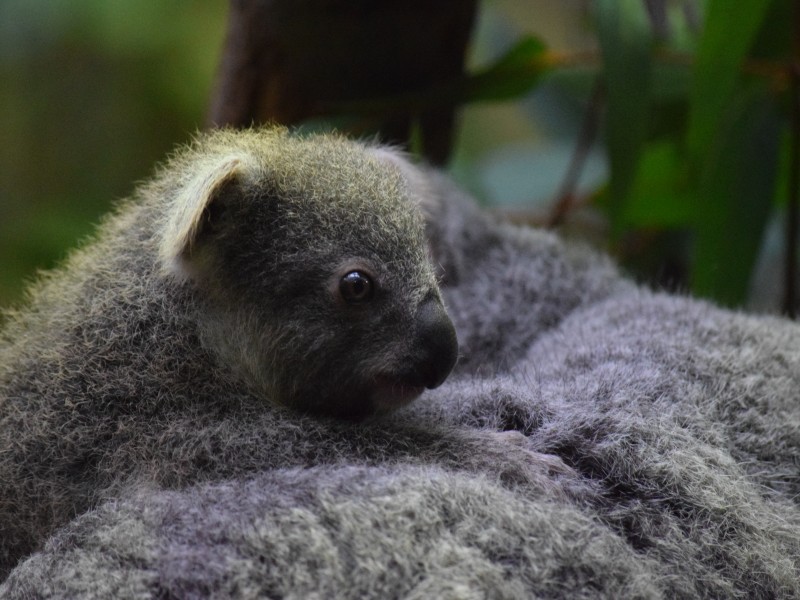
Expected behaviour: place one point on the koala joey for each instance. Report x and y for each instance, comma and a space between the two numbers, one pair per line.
309, 259
258, 268
299, 264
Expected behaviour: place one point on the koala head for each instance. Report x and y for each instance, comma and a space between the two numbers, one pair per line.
310, 260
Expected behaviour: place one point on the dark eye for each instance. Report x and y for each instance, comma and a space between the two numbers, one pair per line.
356, 287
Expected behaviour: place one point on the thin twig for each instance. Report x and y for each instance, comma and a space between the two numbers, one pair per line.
586, 137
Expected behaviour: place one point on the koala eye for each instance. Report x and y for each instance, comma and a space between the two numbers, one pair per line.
356, 287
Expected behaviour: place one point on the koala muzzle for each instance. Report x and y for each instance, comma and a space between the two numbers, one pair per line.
436, 346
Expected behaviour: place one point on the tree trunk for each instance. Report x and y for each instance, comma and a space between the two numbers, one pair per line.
285, 61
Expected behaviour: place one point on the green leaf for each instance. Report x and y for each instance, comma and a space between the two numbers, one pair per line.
736, 193
727, 36
626, 42
660, 197
513, 75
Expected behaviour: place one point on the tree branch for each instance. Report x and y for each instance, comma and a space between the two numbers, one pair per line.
588, 133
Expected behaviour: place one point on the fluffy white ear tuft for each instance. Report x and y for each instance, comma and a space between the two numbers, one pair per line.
184, 223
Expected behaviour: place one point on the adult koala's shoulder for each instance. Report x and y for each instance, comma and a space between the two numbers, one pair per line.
256, 268
504, 284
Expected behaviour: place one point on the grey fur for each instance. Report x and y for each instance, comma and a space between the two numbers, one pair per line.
348, 532
216, 290
595, 440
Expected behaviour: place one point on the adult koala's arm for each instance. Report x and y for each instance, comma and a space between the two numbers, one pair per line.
348, 532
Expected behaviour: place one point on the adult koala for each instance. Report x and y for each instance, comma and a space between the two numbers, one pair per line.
595, 440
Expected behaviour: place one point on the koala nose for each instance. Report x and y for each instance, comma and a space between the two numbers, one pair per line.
436, 345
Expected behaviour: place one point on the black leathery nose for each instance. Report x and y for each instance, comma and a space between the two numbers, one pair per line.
436, 343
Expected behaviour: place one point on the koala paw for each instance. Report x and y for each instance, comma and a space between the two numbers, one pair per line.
510, 457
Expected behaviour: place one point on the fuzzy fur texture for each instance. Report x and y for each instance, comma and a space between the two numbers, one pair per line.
217, 290
595, 440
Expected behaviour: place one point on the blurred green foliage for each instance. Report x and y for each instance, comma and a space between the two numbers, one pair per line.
715, 164
696, 114
723, 143
93, 93
689, 167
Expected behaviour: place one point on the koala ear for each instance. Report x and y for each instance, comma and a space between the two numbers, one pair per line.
185, 221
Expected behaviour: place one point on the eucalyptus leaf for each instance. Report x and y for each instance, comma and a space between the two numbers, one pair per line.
727, 36
626, 43
512, 75
736, 192
660, 197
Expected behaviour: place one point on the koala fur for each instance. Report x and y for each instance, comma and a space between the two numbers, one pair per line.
595, 440
228, 281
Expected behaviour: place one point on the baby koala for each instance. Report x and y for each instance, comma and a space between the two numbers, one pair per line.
299, 264
309, 262
256, 267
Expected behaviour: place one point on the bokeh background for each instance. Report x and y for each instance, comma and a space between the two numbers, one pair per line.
662, 128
